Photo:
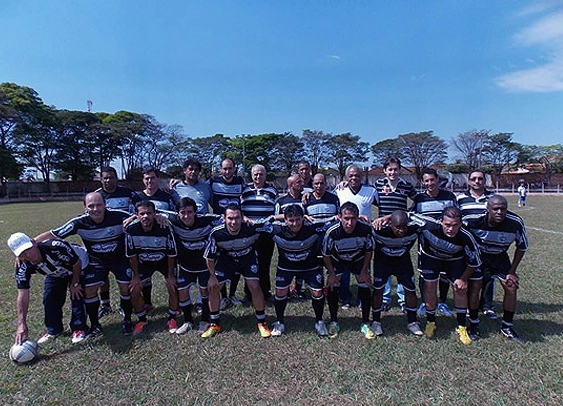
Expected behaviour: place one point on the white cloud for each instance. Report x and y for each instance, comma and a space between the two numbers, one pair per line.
546, 32
338, 58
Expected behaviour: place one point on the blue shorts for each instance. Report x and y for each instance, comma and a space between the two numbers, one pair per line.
313, 279
97, 272
354, 268
400, 267
226, 268
186, 279
146, 274
496, 265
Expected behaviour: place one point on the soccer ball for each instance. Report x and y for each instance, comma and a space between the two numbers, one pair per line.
25, 352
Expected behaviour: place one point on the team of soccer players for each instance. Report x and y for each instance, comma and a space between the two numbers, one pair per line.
459, 239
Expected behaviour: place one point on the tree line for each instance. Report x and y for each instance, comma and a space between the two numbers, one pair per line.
76, 144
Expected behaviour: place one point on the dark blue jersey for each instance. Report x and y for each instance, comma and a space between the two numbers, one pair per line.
287, 200
122, 198
388, 245
437, 245
324, 209
191, 241
162, 201
223, 244
348, 248
393, 198
57, 260
433, 207
258, 204
470, 205
497, 240
152, 247
225, 193
298, 252
103, 241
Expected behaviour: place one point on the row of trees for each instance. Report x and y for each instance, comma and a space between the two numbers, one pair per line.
76, 144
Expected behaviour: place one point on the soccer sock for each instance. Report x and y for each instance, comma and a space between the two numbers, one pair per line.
332, 299
92, 306
411, 316
318, 304
431, 315
142, 316
364, 294
214, 317
187, 308
147, 294
474, 316
260, 316
443, 287
204, 308
171, 314
507, 318
234, 285
280, 303
461, 316
376, 314
104, 296
125, 303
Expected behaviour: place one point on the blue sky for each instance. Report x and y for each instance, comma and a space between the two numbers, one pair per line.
373, 68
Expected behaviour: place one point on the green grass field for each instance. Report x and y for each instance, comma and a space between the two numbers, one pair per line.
239, 368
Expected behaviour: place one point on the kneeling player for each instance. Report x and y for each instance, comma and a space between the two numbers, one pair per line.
231, 249
447, 247
392, 257
298, 257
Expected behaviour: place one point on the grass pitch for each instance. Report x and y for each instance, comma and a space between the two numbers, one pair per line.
239, 368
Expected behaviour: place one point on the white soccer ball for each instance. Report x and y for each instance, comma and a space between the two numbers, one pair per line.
25, 352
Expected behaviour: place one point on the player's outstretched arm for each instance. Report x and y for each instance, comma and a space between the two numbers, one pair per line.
22, 305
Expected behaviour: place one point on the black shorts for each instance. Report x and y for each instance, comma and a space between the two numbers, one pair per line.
400, 267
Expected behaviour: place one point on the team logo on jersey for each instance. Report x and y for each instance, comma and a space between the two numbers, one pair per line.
254, 269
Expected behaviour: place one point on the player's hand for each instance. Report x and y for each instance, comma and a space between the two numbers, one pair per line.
212, 283
171, 283
341, 185
161, 220
332, 281
363, 277
22, 333
76, 293
135, 286
460, 285
512, 281
173, 182
380, 222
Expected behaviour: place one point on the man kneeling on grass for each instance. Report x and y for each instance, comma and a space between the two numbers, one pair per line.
232, 249
348, 245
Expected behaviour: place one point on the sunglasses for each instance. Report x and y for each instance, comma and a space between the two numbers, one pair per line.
476, 178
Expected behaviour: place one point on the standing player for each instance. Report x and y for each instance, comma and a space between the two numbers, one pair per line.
364, 197
432, 203
192, 187
473, 202
392, 257
150, 249
294, 196
321, 207
495, 231
447, 247
258, 202
298, 257
101, 231
191, 231
118, 198
393, 192
522, 193
304, 171
232, 248
348, 245
227, 189
61, 265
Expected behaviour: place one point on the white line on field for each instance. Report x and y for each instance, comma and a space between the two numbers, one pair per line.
545, 231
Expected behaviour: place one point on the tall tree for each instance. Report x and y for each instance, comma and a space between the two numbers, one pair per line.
167, 145
346, 149
76, 131
209, 150
314, 144
422, 149
385, 149
500, 151
470, 145
287, 152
